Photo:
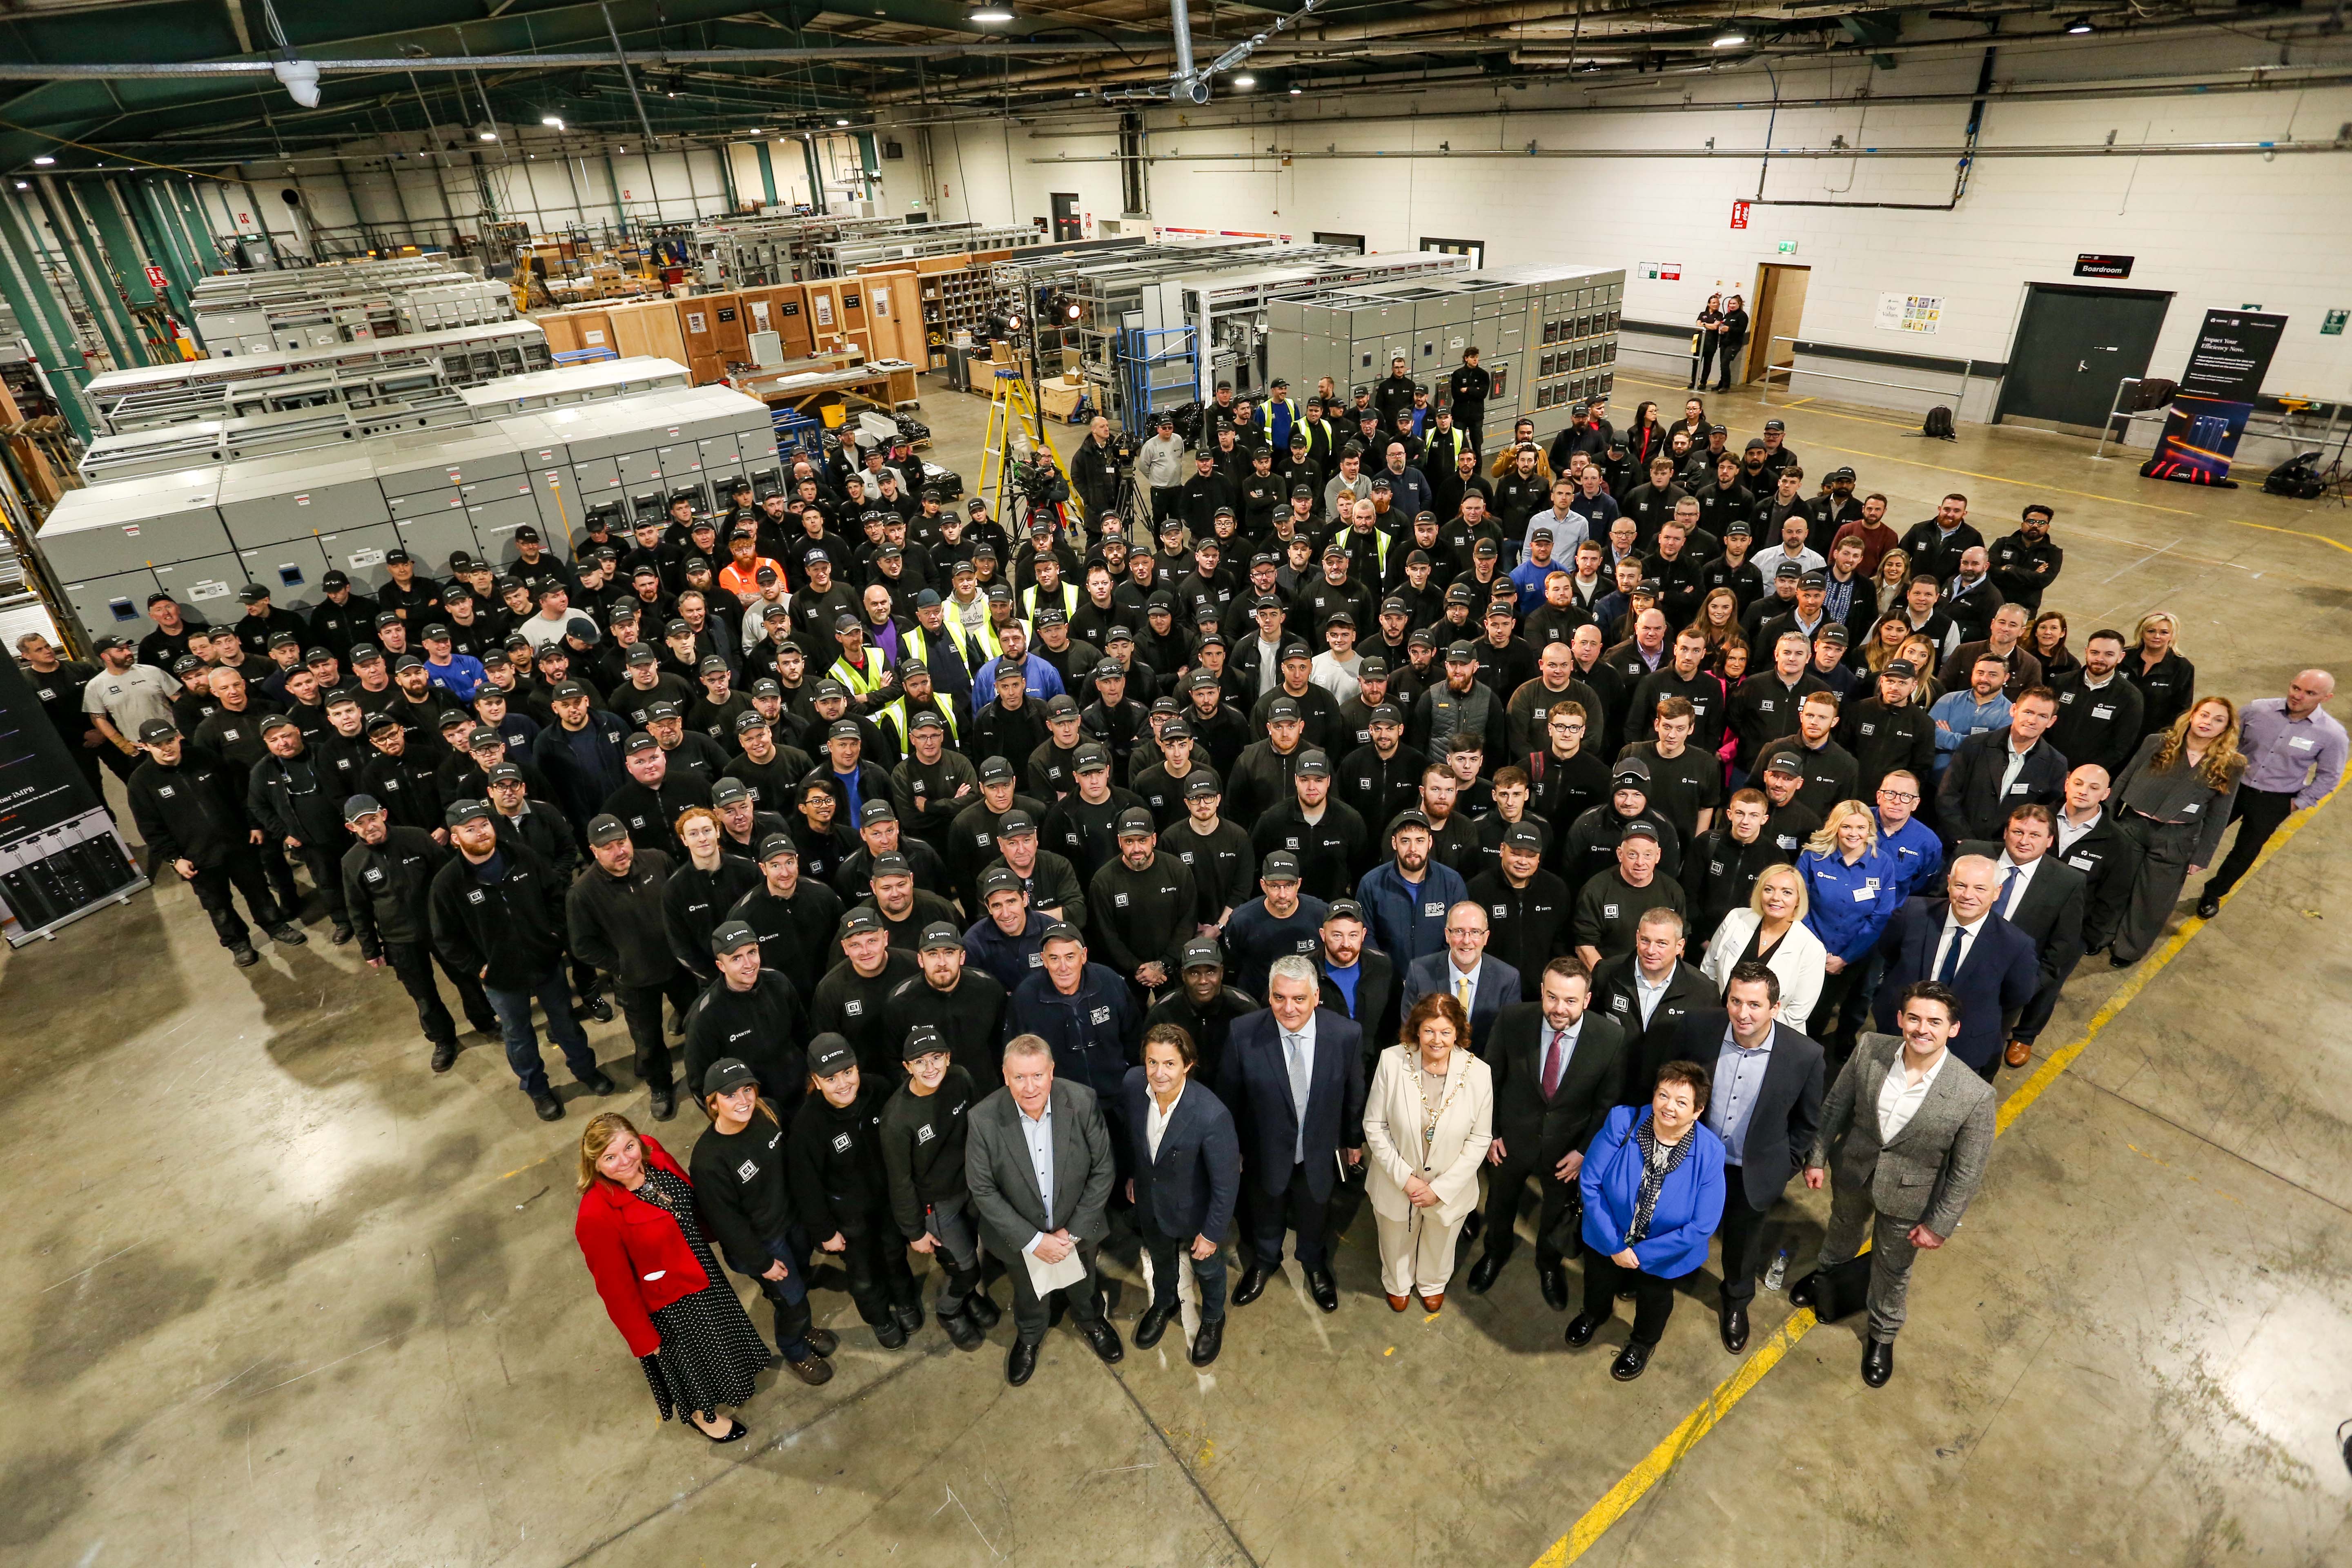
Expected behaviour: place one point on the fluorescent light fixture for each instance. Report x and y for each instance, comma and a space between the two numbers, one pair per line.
23, 185
989, 11
2079, 24
1297, 90
1730, 40
1244, 80
485, 131
555, 119
45, 159
841, 123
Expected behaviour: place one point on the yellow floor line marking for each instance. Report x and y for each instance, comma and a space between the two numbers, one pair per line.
1659, 1462
2299, 534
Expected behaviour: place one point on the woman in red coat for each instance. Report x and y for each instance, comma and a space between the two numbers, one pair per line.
639, 1232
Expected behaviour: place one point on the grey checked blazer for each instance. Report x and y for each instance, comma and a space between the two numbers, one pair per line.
1933, 1166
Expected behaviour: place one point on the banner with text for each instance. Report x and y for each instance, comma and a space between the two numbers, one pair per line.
2208, 417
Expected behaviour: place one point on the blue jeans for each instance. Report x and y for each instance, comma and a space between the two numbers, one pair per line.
789, 1296
513, 1008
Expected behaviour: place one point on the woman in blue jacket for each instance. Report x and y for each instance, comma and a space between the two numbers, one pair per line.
1853, 888
1652, 1188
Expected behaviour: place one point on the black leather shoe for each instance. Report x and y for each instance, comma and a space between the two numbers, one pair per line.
1581, 1329
1252, 1286
445, 1055
825, 1342
2208, 907
981, 1310
550, 1109
736, 1431
908, 1318
665, 1104
889, 1333
1208, 1341
1483, 1273
599, 1008
597, 1082
1877, 1362
1803, 1294
288, 933
244, 955
1153, 1324
342, 935
1630, 1362
1105, 1339
1324, 1288
1020, 1362
962, 1332
1732, 1318
1553, 1276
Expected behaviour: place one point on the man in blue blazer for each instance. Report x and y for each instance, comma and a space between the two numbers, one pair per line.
1187, 1159
1959, 940
1293, 1078
1464, 966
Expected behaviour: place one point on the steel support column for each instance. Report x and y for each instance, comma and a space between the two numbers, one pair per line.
47, 323
98, 294
766, 170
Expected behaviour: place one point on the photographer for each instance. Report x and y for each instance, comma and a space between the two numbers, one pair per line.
1095, 466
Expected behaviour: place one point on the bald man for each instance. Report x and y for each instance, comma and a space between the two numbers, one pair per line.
1957, 940
2294, 756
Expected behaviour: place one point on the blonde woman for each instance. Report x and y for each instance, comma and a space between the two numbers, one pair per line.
637, 1228
2173, 800
1893, 575
1926, 659
2153, 663
1771, 932
1428, 1120
1853, 887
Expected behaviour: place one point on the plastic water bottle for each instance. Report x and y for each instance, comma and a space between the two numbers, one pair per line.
1779, 1272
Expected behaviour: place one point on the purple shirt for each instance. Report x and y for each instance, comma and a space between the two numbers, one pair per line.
2283, 752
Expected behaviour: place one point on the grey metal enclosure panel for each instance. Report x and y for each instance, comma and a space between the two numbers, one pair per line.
298, 513
431, 539
206, 584
494, 524
425, 503
291, 570
596, 480
639, 469
722, 458
681, 463
505, 486
113, 606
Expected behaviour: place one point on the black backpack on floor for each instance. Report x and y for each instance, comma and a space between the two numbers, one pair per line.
1937, 426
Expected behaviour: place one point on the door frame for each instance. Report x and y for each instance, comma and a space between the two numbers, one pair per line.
1075, 216
1475, 249
2000, 409
1760, 339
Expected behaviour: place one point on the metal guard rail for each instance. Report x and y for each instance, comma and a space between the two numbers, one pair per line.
1793, 371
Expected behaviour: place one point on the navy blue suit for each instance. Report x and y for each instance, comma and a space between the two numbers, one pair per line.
1189, 1188
1498, 987
1253, 1081
1997, 978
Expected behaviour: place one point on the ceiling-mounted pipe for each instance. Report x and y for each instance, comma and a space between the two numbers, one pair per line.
628, 75
23, 70
2087, 150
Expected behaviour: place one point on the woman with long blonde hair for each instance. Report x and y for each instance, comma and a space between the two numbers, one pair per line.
1892, 577
1853, 887
2173, 800
2153, 663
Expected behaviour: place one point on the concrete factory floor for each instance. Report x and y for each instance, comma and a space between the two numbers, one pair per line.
281, 1295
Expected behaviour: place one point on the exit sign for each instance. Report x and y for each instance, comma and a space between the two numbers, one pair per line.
1787, 247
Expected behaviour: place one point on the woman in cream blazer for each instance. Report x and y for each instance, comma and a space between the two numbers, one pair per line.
1776, 907
1428, 1120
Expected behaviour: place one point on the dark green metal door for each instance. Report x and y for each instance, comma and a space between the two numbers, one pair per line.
2074, 345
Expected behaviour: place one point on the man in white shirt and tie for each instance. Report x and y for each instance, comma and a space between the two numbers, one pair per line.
1908, 1141
1557, 1067
1484, 985
2046, 899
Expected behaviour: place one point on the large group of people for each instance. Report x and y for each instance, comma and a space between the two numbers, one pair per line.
1342, 807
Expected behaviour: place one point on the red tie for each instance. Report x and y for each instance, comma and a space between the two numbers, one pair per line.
1552, 1064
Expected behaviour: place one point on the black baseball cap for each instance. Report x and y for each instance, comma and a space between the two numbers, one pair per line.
829, 1054
729, 935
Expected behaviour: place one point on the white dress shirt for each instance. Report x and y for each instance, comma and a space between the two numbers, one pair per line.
1965, 935
1155, 1120
2007, 908
2069, 830
1899, 1098
2016, 765
1649, 995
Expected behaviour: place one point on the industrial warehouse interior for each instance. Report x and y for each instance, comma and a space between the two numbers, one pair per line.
362, 364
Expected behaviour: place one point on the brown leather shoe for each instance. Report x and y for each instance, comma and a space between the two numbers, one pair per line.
1433, 1303
1398, 1303
2019, 1052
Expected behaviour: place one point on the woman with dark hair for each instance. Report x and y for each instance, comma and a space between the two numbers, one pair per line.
2046, 640
2173, 800
1428, 1120
1645, 437
637, 1228
1710, 331
1718, 622
1653, 1187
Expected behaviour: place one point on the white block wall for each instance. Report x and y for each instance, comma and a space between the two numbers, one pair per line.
2216, 230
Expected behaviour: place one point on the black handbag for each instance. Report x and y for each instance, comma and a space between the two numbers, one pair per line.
1842, 1289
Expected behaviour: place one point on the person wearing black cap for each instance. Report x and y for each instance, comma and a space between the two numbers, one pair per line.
793, 916
766, 763
880, 835
1889, 729
649, 804
1610, 905
1144, 904
1831, 772
403, 775
1052, 766
1328, 838
972, 835
1767, 704
299, 809
1528, 908
744, 1196
260, 620
410, 594
190, 814
1083, 1008
1113, 718
850, 1001
1281, 922
580, 752
841, 1187
906, 909
1589, 848
1202, 1005
923, 1138
387, 880
1083, 825
747, 1011
496, 914
960, 1003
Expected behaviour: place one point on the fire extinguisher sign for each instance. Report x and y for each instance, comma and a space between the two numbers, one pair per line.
155, 279
1740, 214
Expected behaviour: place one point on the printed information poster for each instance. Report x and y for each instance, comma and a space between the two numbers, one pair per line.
1910, 313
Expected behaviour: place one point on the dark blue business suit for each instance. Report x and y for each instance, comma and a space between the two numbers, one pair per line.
1288, 1192
1997, 977
1498, 987
1187, 1190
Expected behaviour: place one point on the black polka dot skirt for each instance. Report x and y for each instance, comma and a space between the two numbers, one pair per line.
710, 1351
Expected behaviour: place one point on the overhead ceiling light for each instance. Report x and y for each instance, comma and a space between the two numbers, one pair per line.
555, 119
989, 11
841, 123
2079, 24
300, 79
1730, 40
485, 131
45, 159
1244, 80
1297, 90
23, 185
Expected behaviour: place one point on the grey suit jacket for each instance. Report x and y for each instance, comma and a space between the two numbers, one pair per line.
1931, 1170
1003, 1185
